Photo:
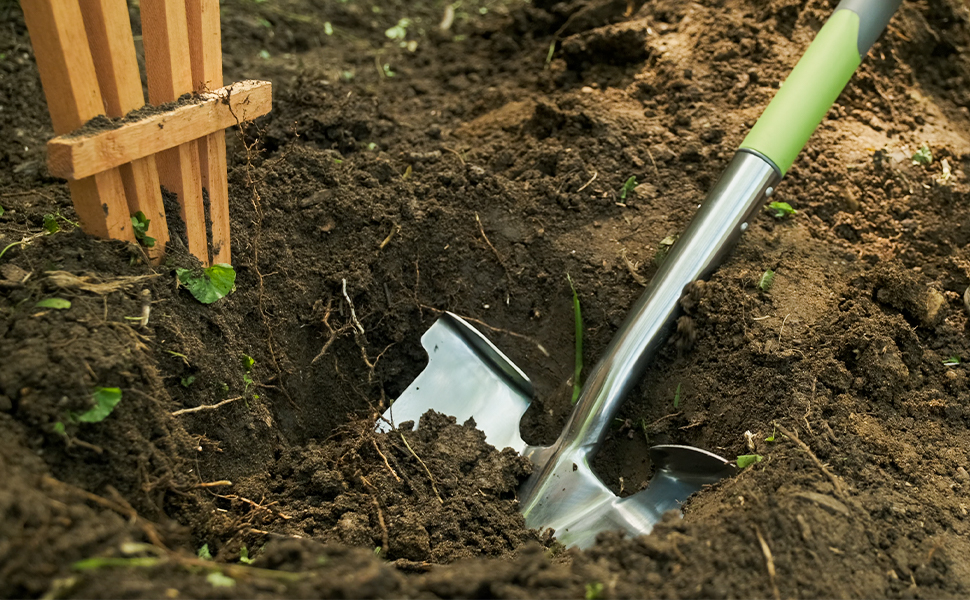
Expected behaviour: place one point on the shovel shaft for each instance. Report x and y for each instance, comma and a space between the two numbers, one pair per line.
712, 233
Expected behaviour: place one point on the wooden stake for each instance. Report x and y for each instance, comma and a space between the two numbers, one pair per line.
71, 87
166, 39
113, 48
205, 45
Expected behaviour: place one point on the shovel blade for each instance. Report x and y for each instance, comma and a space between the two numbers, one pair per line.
574, 502
467, 378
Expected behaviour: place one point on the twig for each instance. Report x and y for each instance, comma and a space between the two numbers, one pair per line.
586, 185
653, 162
836, 482
782, 328
186, 411
501, 261
146, 306
426, 469
394, 229
769, 562
221, 483
632, 269
376, 447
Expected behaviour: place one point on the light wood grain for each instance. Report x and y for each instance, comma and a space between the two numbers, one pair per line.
71, 88
78, 156
112, 45
167, 62
205, 48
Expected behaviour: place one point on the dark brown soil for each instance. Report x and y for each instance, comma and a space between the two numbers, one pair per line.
471, 173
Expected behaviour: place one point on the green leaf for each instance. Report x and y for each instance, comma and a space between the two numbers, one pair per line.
952, 361
244, 556
781, 210
628, 187
105, 401
578, 318
90, 564
50, 224
139, 222
204, 553
2, 211
59, 428
773, 436
248, 362
923, 156
188, 381
677, 396
766, 281
55, 303
594, 591
217, 579
746, 460
212, 284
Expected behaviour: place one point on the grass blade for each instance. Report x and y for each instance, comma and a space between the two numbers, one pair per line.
577, 374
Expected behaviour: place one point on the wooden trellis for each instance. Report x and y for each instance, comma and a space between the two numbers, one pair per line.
86, 56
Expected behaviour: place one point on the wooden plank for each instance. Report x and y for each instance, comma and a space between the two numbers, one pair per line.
71, 88
166, 39
108, 29
78, 156
205, 48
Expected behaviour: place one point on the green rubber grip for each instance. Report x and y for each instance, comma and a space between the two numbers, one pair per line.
808, 93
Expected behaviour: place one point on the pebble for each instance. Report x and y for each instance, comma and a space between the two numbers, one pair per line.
961, 474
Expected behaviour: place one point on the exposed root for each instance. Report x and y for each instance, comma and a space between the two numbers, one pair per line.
376, 447
769, 562
426, 469
840, 490
186, 411
632, 269
89, 283
268, 508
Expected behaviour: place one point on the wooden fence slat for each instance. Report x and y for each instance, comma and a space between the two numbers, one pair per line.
166, 39
71, 88
205, 45
79, 155
108, 28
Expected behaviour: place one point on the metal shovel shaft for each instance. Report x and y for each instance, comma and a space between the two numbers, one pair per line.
713, 232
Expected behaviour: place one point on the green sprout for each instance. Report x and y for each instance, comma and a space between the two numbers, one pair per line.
55, 303
91, 564
211, 284
773, 436
188, 381
677, 396
399, 31
377, 551
328, 28
551, 53
923, 156
952, 361
204, 553
388, 72
247, 363
781, 210
663, 249
139, 222
628, 186
244, 556
746, 460
50, 224
594, 591
578, 319
766, 281
217, 579
2, 211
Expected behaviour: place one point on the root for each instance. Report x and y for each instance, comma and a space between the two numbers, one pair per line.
376, 447
769, 562
186, 411
256, 505
334, 334
836, 482
632, 269
385, 538
426, 469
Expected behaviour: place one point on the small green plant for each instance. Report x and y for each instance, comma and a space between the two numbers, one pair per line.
746, 460
55, 303
2, 211
663, 249
244, 556
211, 284
50, 224
92, 564
578, 320
328, 28
628, 186
780, 210
677, 396
377, 551
140, 223
923, 156
388, 72
399, 31
204, 553
264, 54
188, 381
952, 361
773, 436
551, 52
247, 363
594, 591
217, 579
766, 281
105, 401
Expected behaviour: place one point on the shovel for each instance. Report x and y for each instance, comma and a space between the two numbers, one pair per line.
467, 377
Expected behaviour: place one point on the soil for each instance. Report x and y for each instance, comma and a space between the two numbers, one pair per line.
471, 170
